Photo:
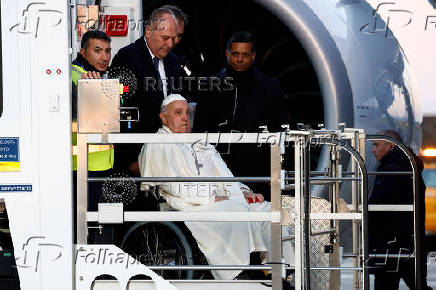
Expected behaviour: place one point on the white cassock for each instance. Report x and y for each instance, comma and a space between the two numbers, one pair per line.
223, 243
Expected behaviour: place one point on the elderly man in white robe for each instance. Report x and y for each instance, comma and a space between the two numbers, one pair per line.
223, 243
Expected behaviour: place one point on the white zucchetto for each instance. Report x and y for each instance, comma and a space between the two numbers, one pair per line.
171, 98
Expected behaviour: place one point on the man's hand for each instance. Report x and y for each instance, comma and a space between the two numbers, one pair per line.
253, 197
221, 198
134, 168
91, 75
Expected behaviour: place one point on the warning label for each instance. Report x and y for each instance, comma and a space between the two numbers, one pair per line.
9, 188
9, 154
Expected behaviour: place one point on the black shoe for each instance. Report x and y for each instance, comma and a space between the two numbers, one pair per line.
251, 275
286, 285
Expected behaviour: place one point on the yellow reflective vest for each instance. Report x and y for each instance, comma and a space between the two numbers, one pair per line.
100, 157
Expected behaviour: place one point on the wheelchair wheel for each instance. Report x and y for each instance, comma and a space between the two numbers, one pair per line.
159, 244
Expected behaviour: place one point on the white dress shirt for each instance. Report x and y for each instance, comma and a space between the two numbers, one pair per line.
162, 74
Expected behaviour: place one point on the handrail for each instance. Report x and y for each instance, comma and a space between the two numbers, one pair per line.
211, 138
364, 184
181, 179
192, 216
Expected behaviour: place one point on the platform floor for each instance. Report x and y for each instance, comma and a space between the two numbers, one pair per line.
346, 281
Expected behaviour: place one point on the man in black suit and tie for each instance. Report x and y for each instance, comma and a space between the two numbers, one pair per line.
156, 70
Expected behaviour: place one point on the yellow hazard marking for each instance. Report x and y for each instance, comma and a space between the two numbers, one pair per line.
9, 166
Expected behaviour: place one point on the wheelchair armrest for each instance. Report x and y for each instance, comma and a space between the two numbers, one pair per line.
163, 206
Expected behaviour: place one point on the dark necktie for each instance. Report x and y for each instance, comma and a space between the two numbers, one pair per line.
156, 66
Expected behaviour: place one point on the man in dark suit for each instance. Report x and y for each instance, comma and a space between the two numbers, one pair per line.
392, 232
151, 61
255, 99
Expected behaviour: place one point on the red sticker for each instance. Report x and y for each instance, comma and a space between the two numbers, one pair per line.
48, 71
116, 25
59, 71
125, 89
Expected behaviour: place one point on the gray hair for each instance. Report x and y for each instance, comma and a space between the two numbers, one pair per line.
164, 109
177, 12
157, 14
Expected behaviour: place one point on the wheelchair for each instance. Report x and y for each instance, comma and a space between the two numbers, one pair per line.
161, 243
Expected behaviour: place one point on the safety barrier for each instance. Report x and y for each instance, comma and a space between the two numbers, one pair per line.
300, 180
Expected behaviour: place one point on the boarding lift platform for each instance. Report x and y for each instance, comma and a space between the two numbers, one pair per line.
315, 222
35, 118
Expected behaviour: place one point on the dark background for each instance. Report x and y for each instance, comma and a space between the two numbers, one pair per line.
278, 54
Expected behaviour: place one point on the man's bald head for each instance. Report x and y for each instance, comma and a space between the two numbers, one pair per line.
182, 20
391, 133
161, 32
381, 148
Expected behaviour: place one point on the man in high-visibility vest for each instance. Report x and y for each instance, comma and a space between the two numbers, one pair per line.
92, 63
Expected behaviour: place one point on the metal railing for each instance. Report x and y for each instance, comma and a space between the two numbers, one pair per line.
332, 178
274, 216
350, 140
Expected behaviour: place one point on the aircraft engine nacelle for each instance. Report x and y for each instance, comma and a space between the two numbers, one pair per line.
361, 68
